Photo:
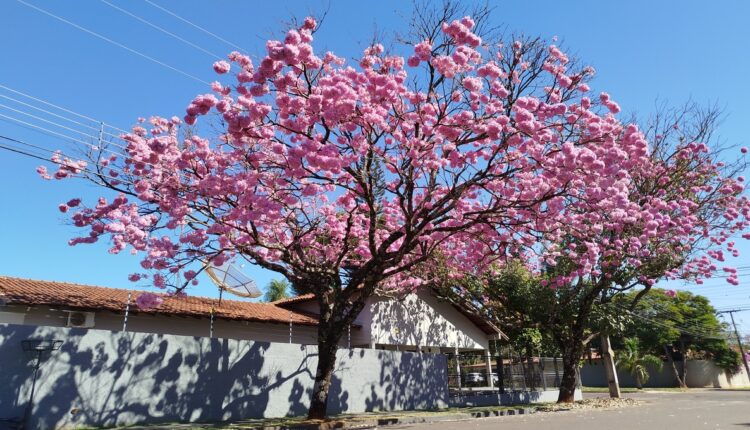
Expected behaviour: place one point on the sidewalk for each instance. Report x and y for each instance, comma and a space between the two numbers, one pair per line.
358, 421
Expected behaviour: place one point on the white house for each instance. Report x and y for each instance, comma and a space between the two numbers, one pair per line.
419, 322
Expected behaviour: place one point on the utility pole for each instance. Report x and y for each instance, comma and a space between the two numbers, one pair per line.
608, 360
739, 341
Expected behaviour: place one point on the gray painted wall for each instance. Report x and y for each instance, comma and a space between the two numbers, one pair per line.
700, 374
105, 378
509, 398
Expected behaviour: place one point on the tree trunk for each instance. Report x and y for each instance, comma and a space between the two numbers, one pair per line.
609, 366
568, 381
328, 339
668, 352
638, 383
683, 353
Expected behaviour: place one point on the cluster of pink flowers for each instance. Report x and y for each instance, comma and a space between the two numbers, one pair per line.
477, 170
460, 32
148, 300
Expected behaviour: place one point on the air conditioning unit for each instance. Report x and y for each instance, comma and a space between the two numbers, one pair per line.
79, 319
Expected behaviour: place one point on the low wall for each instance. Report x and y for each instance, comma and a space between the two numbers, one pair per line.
105, 378
509, 398
700, 374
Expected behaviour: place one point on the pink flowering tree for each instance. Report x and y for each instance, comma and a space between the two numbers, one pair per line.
352, 178
676, 216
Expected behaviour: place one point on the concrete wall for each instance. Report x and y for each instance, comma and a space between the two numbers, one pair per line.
700, 374
704, 373
422, 320
104, 378
163, 324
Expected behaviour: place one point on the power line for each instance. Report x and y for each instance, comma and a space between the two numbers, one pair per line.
51, 113
38, 157
167, 32
59, 107
704, 335
65, 136
58, 124
163, 9
27, 144
113, 42
115, 172
97, 174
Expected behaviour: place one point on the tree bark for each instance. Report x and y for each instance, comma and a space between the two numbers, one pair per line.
568, 381
609, 365
328, 340
638, 383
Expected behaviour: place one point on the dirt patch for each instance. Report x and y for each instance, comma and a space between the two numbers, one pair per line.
600, 403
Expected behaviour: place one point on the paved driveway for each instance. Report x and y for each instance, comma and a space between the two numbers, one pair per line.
708, 409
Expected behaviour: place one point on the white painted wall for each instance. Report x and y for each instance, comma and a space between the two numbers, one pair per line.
700, 374
421, 320
704, 373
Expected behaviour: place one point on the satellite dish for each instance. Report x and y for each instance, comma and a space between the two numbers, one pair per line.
232, 280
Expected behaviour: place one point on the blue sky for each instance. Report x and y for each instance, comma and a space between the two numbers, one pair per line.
642, 50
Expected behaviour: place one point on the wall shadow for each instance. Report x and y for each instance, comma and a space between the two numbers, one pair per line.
103, 378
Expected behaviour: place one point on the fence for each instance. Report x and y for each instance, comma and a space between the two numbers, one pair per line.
508, 371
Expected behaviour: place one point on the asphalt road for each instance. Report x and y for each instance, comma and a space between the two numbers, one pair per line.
710, 409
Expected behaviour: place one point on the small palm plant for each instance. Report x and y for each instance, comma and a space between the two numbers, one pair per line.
278, 289
632, 360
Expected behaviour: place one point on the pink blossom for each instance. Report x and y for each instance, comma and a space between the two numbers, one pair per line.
222, 67
148, 301
423, 50
476, 168
42, 171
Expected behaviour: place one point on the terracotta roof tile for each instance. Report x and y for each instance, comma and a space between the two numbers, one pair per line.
86, 297
295, 299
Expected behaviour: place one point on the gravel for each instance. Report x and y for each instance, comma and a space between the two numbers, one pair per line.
598, 403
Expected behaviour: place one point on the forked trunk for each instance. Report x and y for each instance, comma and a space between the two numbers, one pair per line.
683, 353
668, 352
